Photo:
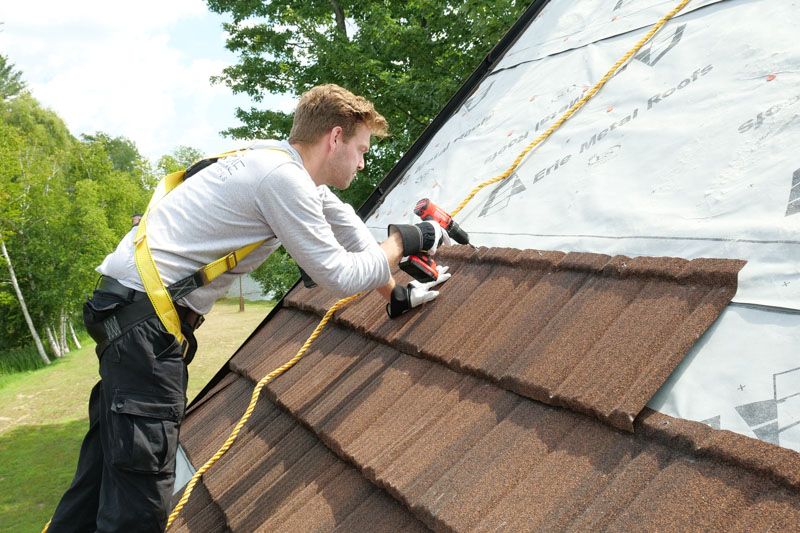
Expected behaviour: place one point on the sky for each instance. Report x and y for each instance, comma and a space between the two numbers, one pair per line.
135, 69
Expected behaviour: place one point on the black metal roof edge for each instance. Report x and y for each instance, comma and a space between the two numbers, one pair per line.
453, 105
393, 176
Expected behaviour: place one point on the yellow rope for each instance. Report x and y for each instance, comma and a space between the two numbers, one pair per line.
571, 111
253, 400
278, 371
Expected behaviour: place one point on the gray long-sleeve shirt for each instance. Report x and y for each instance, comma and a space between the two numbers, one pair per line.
242, 199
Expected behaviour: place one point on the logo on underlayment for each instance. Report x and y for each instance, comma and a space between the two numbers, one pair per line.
794, 195
655, 50
771, 418
478, 97
501, 195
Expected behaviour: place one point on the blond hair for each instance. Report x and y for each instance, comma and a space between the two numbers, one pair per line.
326, 106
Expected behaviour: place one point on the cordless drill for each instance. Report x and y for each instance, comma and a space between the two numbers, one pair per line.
421, 266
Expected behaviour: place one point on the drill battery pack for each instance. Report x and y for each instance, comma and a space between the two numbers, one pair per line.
421, 267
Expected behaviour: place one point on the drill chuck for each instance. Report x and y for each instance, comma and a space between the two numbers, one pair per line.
427, 210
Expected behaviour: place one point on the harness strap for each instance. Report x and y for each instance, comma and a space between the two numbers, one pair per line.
123, 320
160, 297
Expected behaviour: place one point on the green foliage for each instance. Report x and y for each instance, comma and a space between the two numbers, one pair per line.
20, 360
44, 132
10, 176
121, 151
124, 157
11, 83
277, 274
64, 205
181, 158
409, 57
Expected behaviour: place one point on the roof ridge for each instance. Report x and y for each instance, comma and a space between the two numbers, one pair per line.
703, 270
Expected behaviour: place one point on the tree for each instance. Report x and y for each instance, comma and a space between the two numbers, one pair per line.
124, 157
11, 83
181, 158
121, 151
64, 205
277, 274
11, 192
407, 56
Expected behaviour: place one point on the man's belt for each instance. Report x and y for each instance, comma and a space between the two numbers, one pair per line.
115, 287
188, 317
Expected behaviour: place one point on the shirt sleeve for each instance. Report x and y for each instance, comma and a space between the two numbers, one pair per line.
349, 230
293, 207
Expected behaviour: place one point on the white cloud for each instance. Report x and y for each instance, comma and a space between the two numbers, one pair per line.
125, 68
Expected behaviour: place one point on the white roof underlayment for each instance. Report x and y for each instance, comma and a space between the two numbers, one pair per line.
691, 150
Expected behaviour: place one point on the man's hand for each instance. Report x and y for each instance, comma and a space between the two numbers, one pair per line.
438, 238
414, 294
422, 237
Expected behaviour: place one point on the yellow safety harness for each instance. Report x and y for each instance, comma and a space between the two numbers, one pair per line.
162, 298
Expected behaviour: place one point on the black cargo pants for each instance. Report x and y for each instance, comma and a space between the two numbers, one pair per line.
126, 468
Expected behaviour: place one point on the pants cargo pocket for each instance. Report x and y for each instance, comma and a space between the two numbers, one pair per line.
144, 432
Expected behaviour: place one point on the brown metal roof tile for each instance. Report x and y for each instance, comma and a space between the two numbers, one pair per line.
330, 507
280, 477
652, 267
464, 454
302, 391
569, 336
285, 342
203, 516
503, 285
412, 330
427, 407
310, 299
532, 310
326, 411
201, 439
714, 272
250, 353
399, 426
379, 514
781, 465
583, 262
629, 348
366, 311
588, 331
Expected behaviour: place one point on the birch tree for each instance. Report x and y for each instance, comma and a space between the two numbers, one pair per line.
37, 341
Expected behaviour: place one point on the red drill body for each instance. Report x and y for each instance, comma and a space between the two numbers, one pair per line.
421, 266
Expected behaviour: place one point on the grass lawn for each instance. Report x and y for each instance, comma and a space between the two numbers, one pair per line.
43, 415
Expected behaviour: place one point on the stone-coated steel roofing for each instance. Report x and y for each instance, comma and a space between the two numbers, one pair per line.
277, 477
440, 420
586, 331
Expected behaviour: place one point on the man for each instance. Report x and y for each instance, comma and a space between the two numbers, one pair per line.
276, 192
